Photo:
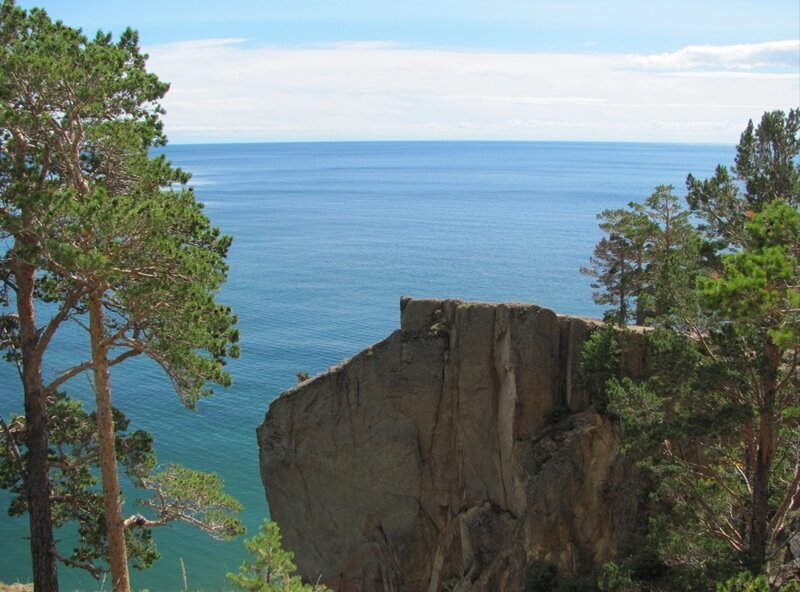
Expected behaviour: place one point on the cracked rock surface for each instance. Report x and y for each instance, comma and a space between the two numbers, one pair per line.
433, 460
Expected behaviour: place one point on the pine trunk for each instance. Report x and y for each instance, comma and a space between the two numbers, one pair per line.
765, 452
112, 502
761, 478
37, 479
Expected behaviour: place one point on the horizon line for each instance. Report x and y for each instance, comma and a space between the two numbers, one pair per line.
442, 141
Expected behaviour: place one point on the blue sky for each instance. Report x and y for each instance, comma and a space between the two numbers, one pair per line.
538, 70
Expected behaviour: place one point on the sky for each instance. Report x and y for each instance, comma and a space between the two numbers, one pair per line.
571, 70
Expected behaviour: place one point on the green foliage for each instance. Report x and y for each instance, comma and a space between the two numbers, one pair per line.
677, 399
766, 159
616, 577
683, 428
747, 582
541, 576
584, 582
766, 167
272, 567
73, 458
600, 361
88, 217
619, 260
643, 570
672, 263
645, 265
758, 286
77, 119
645, 564
177, 493
716, 424
194, 497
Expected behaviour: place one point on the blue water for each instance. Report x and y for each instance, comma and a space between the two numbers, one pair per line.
328, 237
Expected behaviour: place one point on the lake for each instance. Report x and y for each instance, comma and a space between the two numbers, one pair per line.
327, 238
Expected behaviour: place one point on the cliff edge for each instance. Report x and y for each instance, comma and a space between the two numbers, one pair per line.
450, 455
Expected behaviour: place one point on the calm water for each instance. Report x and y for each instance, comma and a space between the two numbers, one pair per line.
328, 236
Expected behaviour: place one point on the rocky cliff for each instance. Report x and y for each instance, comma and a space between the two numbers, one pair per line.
450, 455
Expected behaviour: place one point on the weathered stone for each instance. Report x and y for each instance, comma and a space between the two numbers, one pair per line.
433, 460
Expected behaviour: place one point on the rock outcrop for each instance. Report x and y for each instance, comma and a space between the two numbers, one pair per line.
450, 455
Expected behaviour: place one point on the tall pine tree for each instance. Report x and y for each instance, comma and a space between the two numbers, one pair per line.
92, 224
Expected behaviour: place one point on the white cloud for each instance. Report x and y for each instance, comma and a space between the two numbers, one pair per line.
363, 45
223, 90
204, 44
781, 54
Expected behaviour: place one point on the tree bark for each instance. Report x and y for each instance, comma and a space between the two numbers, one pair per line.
765, 452
37, 478
760, 517
112, 502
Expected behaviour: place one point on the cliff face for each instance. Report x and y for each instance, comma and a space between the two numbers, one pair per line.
449, 455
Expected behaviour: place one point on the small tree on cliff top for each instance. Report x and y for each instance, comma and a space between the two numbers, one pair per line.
619, 263
646, 263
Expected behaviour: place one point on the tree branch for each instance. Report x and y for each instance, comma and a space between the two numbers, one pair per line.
90, 567
789, 501
789, 373
83, 367
142, 522
94, 570
62, 314
12, 444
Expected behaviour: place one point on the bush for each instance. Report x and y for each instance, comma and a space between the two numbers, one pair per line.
746, 582
541, 576
617, 577
578, 583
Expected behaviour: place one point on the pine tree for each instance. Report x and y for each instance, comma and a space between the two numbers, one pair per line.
272, 568
91, 223
718, 421
58, 92
619, 263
